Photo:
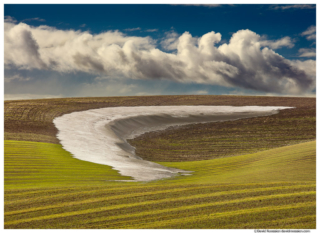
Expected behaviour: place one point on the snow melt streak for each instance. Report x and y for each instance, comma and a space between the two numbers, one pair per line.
93, 136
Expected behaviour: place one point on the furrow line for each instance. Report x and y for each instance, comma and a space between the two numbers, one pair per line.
23, 192
141, 193
165, 223
99, 209
279, 223
153, 214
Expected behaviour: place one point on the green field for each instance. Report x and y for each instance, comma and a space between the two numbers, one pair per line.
46, 188
262, 174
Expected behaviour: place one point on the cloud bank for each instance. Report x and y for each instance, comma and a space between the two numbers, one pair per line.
247, 61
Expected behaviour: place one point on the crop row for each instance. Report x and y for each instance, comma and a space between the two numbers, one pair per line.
106, 208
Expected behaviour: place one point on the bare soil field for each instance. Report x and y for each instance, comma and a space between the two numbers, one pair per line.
31, 120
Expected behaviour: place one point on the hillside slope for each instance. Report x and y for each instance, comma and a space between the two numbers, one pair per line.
271, 189
251, 173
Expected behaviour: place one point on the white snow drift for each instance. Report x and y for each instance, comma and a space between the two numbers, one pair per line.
99, 135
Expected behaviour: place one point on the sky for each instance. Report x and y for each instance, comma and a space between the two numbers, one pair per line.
82, 50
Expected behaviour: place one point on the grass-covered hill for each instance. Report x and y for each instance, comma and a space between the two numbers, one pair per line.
251, 173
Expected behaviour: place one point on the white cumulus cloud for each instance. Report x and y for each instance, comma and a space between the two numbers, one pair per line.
276, 44
247, 61
307, 52
310, 33
9, 19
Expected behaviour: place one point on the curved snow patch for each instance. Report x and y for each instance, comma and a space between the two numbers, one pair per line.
100, 135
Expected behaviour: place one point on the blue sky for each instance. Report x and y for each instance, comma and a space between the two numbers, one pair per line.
73, 50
